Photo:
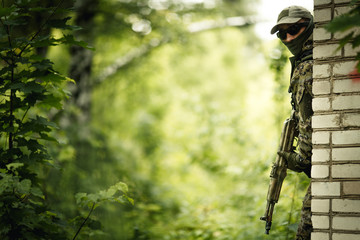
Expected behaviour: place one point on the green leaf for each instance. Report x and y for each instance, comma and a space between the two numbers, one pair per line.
47, 138
124, 200
44, 65
32, 98
110, 192
345, 40
36, 202
53, 77
45, 122
14, 166
130, 200
45, 42
343, 23
37, 192
51, 214
38, 125
69, 39
52, 101
7, 11
93, 198
122, 187
15, 21
80, 198
32, 86
356, 41
24, 186
61, 24
16, 86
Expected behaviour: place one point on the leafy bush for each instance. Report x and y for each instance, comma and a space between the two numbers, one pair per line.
30, 87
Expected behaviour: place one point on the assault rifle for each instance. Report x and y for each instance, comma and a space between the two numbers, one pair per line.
278, 171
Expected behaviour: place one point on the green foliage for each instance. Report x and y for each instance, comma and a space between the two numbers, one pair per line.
29, 88
348, 24
92, 201
110, 195
29, 83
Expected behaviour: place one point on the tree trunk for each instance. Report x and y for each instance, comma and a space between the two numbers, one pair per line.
81, 61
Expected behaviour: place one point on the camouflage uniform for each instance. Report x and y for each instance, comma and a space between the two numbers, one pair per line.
301, 95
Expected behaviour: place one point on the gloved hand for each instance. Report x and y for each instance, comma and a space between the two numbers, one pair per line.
296, 163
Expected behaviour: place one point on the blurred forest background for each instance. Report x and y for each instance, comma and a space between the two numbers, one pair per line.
184, 103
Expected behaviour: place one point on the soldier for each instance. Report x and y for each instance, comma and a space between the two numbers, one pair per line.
294, 28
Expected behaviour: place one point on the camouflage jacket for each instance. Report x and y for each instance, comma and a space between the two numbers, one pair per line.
301, 100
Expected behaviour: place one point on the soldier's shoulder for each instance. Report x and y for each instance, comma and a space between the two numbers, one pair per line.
304, 70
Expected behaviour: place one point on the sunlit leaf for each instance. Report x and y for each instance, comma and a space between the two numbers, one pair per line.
122, 187
14, 166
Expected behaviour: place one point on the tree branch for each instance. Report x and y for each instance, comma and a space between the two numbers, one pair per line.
83, 223
129, 58
193, 28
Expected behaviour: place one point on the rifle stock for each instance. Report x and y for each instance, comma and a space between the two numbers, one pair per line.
278, 171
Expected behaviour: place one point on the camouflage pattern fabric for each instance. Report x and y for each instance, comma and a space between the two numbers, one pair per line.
305, 225
301, 90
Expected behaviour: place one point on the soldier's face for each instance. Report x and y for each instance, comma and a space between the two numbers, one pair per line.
289, 37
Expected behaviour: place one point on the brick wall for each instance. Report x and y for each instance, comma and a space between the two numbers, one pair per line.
336, 132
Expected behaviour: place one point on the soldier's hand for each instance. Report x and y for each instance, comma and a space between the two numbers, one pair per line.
291, 160
296, 163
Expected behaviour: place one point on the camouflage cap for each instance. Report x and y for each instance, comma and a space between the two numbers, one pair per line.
291, 15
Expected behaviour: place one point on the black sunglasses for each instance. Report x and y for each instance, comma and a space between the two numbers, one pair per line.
292, 30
